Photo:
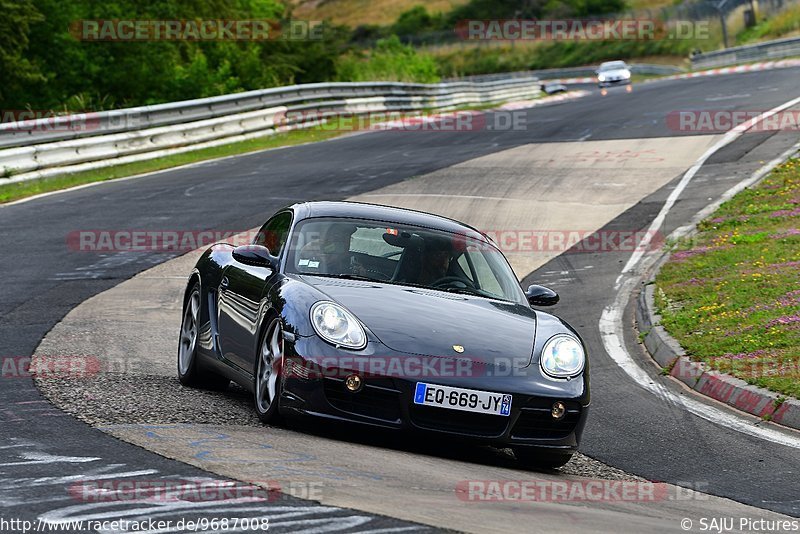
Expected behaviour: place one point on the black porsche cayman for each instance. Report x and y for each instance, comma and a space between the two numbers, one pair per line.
386, 317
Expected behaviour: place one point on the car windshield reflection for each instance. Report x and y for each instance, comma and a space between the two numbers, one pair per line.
385, 252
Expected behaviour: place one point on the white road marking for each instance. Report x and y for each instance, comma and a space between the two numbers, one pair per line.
16, 445
611, 325
331, 524
744, 184
219, 508
57, 481
727, 139
105, 504
44, 458
27, 502
154, 509
390, 529
611, 330
727, 97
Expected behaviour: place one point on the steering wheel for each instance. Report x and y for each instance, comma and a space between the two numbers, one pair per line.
454, 281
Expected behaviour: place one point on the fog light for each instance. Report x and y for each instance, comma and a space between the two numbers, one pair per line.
353, 383
558, 410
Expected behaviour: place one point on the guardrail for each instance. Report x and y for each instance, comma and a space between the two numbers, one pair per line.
574, 72
780, 48
72, 143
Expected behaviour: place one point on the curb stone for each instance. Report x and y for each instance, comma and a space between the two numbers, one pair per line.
788, 413
734, 392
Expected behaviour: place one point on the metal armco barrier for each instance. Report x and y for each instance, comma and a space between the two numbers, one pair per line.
73, 143
777, 49
572, 72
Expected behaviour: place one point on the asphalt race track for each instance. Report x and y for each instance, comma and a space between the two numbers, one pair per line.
629, 428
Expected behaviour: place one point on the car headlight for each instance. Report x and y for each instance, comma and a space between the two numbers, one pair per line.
601, 77
336, 325
562, 356
626, 74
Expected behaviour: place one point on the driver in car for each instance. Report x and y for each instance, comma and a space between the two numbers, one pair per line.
435, 262
330, 254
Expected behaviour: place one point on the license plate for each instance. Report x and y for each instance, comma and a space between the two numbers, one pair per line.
468, 400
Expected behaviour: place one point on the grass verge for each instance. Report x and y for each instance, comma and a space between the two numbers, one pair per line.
731, 294
784, 24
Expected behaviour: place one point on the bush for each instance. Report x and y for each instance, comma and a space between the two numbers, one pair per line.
390, 60
491, 59
413, 21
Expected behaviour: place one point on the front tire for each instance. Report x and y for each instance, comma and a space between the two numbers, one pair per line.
540, 459
189, 373
268, 373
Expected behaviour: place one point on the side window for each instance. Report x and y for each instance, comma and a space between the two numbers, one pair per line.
274, 233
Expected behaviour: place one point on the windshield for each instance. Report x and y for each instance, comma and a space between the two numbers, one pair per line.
614, 65
401, 254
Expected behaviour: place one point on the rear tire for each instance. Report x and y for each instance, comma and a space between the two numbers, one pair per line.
540, 459
189, 373
267, 394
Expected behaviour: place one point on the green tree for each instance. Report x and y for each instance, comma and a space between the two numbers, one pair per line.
63, 71
17, 17
413, 21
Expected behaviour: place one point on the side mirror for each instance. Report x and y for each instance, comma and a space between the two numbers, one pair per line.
541, 296
255, 255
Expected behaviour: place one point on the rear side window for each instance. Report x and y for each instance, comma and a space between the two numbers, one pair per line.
274, 233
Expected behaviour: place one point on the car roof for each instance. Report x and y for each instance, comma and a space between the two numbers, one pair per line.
363, 210
610, 63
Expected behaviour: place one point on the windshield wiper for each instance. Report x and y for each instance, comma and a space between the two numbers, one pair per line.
465, 291
347, 276
474, 291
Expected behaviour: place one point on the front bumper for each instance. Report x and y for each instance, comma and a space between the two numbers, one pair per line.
387, 402
612, 83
